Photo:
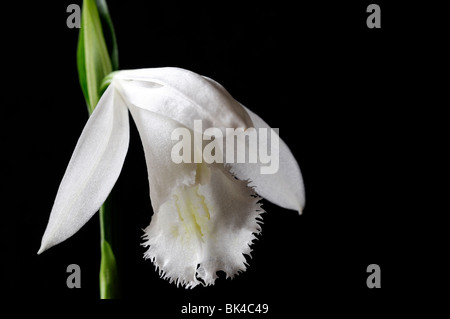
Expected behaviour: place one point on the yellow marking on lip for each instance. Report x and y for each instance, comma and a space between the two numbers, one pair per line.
193, 213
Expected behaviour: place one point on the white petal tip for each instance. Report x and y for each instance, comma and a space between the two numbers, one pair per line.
44, 247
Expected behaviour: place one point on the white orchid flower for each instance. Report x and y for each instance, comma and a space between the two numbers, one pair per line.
205, 215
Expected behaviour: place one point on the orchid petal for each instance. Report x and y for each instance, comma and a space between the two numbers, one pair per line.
203, 229
183, 96
92, 171
163, 174
284, 187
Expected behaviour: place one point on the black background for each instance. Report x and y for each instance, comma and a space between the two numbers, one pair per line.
335, 89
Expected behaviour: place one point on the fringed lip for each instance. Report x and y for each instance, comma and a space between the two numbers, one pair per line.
211, 229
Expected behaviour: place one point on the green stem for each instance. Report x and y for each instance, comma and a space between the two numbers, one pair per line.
108, 276
96, 59
105, 227
108, 268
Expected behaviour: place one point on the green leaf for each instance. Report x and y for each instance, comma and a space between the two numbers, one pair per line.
108, 273
93, 58
108, 31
